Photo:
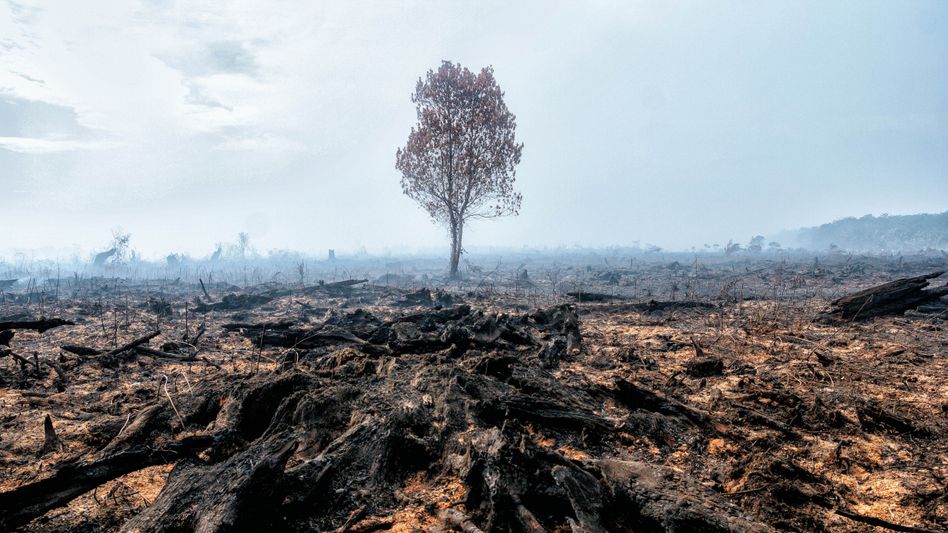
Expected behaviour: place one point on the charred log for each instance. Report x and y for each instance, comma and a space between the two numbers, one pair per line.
24, 503
892, 298
41, 325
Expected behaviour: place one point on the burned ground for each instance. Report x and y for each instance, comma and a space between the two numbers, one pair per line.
702, 397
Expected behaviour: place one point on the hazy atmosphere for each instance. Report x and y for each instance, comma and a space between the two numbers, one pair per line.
473, 266
673, 123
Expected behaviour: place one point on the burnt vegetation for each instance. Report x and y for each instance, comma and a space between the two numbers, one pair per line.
609, 393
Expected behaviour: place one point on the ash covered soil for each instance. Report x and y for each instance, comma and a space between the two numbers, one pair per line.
658, 397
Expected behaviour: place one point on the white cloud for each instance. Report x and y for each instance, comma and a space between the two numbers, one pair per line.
28, 145
263, 143
103, 61
256, 72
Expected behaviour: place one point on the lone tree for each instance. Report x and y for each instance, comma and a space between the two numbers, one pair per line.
460, 159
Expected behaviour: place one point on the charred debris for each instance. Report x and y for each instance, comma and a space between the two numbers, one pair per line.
351, 406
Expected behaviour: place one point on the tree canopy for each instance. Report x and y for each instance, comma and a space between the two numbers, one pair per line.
460, 159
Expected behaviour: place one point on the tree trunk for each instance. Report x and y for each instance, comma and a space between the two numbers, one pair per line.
456, 231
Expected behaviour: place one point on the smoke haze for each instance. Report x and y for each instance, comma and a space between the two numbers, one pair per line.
677, 123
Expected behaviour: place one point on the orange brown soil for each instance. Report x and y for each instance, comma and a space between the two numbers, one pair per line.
803, 424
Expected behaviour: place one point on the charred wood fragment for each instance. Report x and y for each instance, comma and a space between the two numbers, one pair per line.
41, 325
26, 502
892, 298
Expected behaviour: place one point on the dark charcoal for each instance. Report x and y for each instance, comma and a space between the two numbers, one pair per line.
705, 366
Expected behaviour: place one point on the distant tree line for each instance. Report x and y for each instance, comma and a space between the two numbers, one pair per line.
882, 233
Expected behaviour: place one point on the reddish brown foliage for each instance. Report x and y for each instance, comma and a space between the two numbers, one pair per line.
460, 159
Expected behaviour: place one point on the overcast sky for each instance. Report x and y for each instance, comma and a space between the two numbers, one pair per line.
675, 123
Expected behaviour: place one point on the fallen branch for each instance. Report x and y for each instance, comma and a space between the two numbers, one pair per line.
40, 325
878, 522
582, 296
26, 502
80, 350
24, 362
86, 351
335, 288
135, 343
892, 298
144, 350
